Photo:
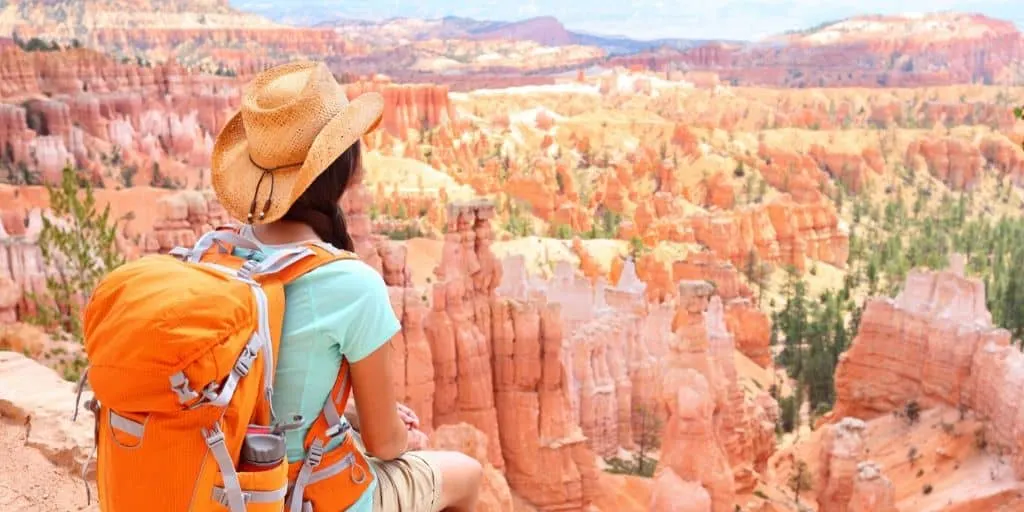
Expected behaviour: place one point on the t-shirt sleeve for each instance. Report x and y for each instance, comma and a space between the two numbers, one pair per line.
354, 309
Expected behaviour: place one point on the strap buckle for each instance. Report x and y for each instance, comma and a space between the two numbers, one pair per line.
315, 454
179, 384
284, 426
247, 268
182, 253
244, 362
338, 429
213, 436
221, 496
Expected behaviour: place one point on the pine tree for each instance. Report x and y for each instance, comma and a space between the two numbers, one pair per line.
80, 245
650, 440
800, 480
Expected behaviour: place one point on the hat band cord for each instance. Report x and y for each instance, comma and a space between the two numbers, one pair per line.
266, 205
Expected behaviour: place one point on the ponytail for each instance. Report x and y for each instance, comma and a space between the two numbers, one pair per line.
339, 231
318, 207
328, 225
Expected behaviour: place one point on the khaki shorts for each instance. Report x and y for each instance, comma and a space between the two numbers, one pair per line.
406, 484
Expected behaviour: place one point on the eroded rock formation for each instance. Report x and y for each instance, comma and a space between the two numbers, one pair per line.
872, 491
149, 119
842, 450
418, 107
494, 492
955, 162
934, 344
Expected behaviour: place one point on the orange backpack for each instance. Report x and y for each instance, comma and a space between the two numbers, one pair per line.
182, 351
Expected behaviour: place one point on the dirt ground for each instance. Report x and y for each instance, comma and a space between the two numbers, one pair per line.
30, 482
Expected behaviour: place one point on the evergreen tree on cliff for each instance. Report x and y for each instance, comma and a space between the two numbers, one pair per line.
79, 245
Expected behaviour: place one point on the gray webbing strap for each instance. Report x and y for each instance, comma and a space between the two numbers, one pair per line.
78, 393
316, 452
206, 242
221, 496
334, 469
242, 366
327, 247
125, 425
334, 419
263, 330
281, 260
232, 488
336, 423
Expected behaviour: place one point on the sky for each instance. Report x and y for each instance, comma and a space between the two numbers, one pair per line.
647, 19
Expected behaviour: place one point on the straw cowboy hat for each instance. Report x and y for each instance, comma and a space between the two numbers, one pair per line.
295, 120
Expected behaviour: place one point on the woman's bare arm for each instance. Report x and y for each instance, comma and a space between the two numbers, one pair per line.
383, 431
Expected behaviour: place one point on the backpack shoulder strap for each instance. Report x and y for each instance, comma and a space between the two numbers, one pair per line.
323, 254
328, 423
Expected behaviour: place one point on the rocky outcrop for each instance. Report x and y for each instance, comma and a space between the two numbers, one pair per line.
419, 107
480, 340
548, 460
934, 344
673, 494
1006, 156
35, 395
809, 232
842, 450
21, 264
751, 328
459, 325
621, 349
494, 492
872, 491
413, 365
691, 448
700, 404
747, 423
939, 346
955, 162
783, 232
183, 218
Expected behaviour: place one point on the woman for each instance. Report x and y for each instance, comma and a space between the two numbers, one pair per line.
282, 164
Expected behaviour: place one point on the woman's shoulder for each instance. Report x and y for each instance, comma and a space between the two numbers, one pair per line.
347, 274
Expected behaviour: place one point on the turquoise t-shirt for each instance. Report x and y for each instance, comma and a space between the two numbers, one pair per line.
339, 308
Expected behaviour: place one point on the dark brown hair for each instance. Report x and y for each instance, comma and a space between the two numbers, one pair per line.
318, 206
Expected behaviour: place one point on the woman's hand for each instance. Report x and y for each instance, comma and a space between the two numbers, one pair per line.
417, 440
352, 415
409, 417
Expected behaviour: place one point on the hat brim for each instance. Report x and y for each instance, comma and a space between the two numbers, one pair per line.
235, 177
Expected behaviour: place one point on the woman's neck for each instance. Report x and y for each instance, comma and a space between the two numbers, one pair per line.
284, 232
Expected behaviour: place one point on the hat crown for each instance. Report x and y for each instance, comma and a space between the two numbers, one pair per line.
284, 108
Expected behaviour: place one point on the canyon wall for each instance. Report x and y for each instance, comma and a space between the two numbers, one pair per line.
846, 64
